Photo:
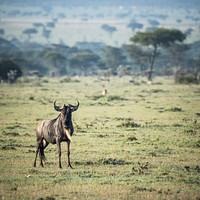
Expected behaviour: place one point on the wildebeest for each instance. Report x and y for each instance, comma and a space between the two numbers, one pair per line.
55, 131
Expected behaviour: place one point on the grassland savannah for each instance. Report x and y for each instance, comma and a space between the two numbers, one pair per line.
137, 142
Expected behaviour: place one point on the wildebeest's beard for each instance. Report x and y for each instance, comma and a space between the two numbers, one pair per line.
66, 115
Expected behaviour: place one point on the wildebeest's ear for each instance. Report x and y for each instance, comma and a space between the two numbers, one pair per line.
57, 108
74, 108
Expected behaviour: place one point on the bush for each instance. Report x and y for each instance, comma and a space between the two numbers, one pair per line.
129, 123
66, 80
186, 77
9, 70
112, 161
116, 98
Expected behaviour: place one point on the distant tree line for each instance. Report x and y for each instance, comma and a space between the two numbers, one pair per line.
159, 52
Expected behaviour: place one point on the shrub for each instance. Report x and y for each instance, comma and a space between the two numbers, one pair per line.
129, 123
66, 80
112, 161
175, 109
140, 168
14, 134
186, 77
132, 138
9, 70
8, 147
116, 98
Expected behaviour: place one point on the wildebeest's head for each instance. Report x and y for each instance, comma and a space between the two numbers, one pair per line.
66, 113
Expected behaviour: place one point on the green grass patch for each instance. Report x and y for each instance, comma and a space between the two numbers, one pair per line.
137, 142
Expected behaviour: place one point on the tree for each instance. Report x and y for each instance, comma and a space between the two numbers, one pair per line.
57, 61
134, 25
29, 32
189, 31
9, 70
38, 25
46, 33
2, 32
50, 24
84, 61
139, 55
113, 57
158, 38
153, 22
109, 29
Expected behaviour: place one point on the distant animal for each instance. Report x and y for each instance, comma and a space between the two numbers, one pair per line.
55, 131
104, 92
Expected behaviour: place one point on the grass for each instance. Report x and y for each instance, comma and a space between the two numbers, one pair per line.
137, 142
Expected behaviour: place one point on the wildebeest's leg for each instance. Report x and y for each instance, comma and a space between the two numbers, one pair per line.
68, 154
42, 146
37, 151
45, 144
59, 153
42, 157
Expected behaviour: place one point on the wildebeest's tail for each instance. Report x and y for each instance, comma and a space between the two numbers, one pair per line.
41, 151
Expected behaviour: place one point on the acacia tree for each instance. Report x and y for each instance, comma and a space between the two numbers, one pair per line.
109, 29
29, 32
157, 38
134, 25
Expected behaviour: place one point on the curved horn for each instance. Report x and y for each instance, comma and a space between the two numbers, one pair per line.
57, 108
74, 108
